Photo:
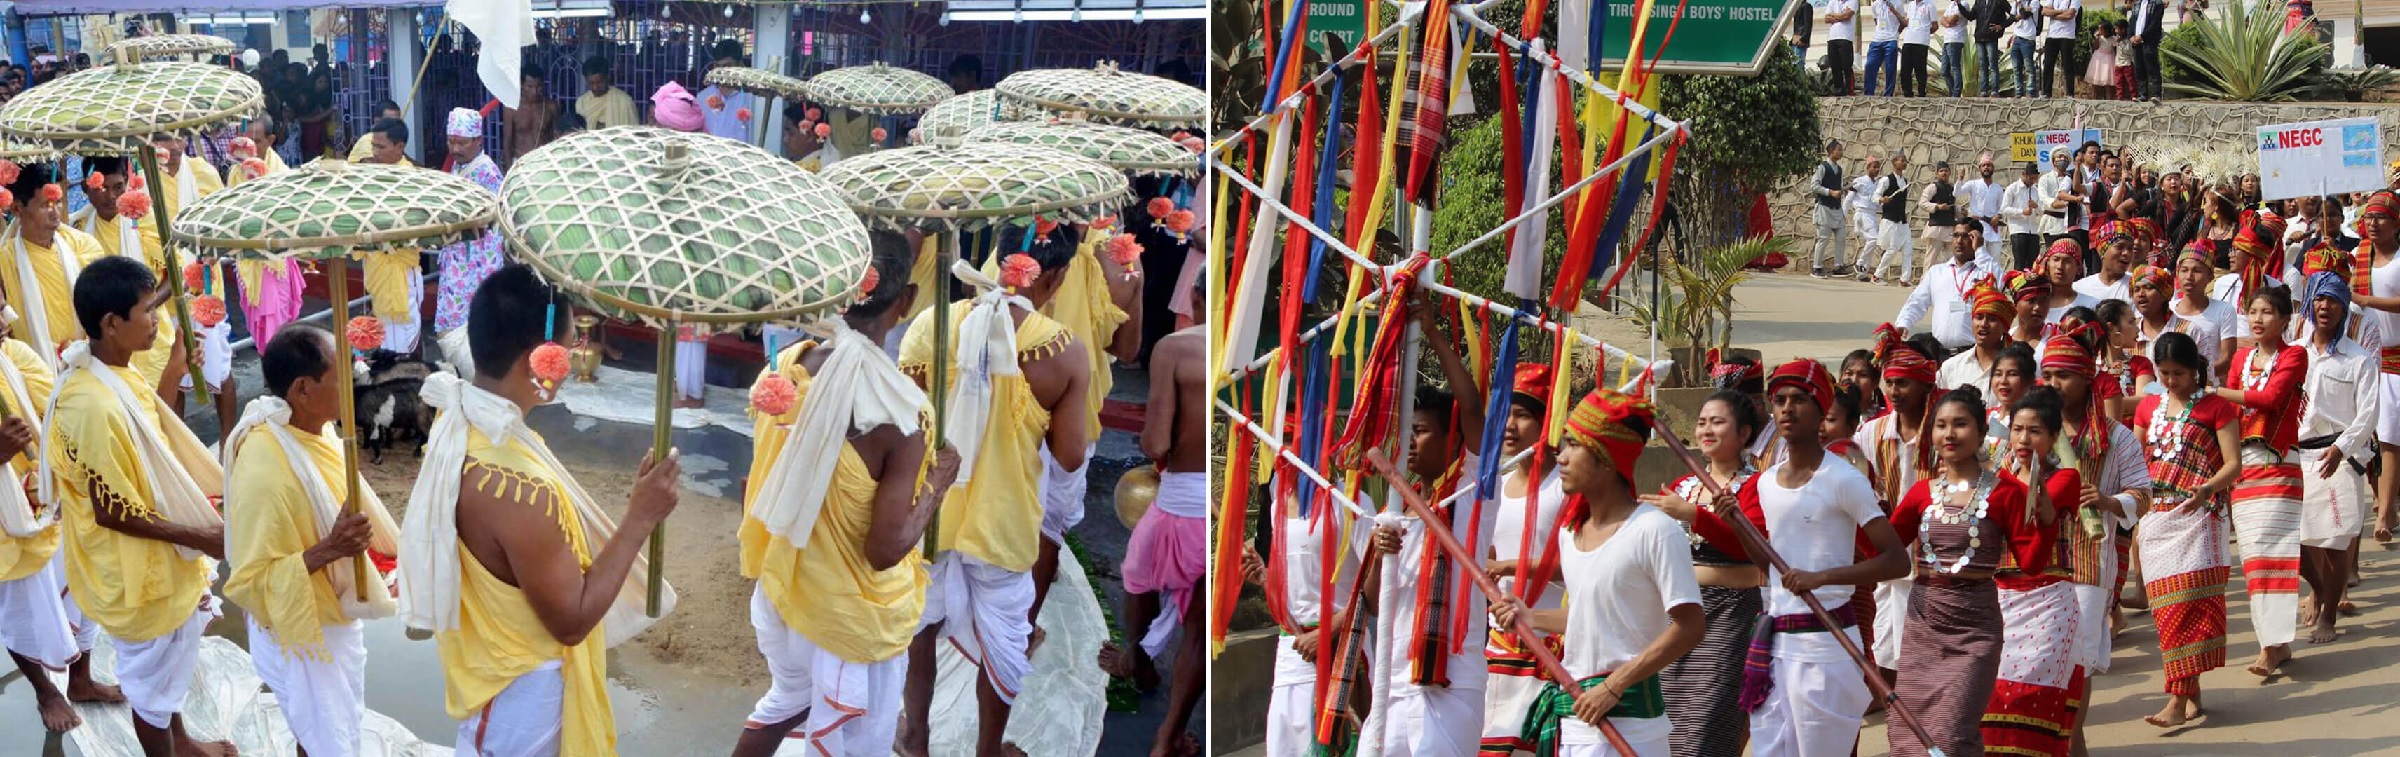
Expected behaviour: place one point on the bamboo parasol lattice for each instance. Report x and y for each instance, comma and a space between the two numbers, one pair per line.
878, 90
325, 210
764, 83
950, 190
948, 122
669, 228
116, 110
162, 45
1133, 151
1108, 95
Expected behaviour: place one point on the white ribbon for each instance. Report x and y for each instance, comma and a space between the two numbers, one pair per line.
429, 568
178, 487
856, 389
187, 189
987, 350
275, 415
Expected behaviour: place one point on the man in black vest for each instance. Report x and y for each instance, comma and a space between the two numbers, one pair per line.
1898, 247
1940, 201
2148, 20
1832, 228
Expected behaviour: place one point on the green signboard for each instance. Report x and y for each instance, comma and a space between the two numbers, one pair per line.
1714, 37
1344, 19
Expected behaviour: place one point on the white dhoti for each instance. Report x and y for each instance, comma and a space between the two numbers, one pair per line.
402, 337
1062, 493
39, 621
982, 611
216, 354
691, 369
1433, 721
1813, 710
2387, 416
1506, 700
1891, 618
324, 700
1899, 251
2332, 510
156, 675
1291, 703
521, 721
1647, 736
853, 707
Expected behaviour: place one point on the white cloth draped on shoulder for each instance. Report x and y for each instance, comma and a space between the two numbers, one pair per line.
180, 473
987, 349
856, 389
273, 415
429, 552
37, 313
19, 516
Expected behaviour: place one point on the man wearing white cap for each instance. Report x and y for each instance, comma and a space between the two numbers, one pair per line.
465, 265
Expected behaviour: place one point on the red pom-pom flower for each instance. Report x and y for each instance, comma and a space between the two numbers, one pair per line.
135, 183
815, 114
879, 134
9, 170
195, 278
1180, 222
53, 193
716, 102
1018, 270
254, 167
1123, 249
93, 182
774, 395
364, 333
550, 363
1159, 207
208, 310
7, 199
742, 114
244, 147
1043, 226
867, 283
824, 130
1104, 223
134, 204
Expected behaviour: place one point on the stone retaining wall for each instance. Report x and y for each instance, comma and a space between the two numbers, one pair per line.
1958, 130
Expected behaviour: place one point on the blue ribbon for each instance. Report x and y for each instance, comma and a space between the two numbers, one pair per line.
1283, 53
1317, 374
1621, 214
1495, 409
1320, 213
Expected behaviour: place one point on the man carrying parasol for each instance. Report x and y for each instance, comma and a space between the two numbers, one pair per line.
141, 532
507, 559
395, 279
837, 504
43, 257
121, 220
1034, 393
291, 544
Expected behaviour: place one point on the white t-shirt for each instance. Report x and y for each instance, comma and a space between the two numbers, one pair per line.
1814, 528
2385, 282
1962, 369
1846, 29
1466, 666
2099, 291
2060, 311
1920, 22
2060, 28
1954, 34
1887, 20
1508, 533
2028, 24
1303, 572
1623, 590
2214, 324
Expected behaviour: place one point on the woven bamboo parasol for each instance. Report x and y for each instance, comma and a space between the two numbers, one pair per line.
116, 110
669, 228
974, 186
758, 81
162, 45
323, 211
948, 122
878, 90
1133, 151
1108, 95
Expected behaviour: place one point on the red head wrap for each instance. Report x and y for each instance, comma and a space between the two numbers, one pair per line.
1908, 363
1532, 385
2155, 276
1809, 376
2325, 258
1986, 299
1613, 426
2065, 351
2381, 205
2065, 247
2025, 285
2251, 239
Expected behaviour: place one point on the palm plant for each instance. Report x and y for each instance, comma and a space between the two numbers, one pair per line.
2244, 55
2354, 84
1695, 308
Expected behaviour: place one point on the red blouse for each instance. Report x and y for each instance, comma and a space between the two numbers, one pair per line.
2272, 411
2028, 543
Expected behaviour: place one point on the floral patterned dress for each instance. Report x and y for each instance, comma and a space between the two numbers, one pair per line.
465, 265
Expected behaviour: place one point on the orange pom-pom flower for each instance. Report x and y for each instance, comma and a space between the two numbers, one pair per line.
254, 167
1159, 207
1195, 144
879, 134
9, 170
1104, 223
774, 395
208, 310
824, 130
134, 204
93, 182
716, 102
1180, 222
867, 283
1018, 270
1043, 226
1123, 249
550, 363
364, 333
244, 147
7, 199
742, 114
195, 278
53, 193
135, 183
815, 114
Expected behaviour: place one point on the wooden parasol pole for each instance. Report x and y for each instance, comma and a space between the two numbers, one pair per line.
337, 283
165, 219
942, 355
661, 426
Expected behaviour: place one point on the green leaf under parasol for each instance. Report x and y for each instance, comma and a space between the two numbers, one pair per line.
1134, 151
948, 122
975, 185
1108, 95
878, 90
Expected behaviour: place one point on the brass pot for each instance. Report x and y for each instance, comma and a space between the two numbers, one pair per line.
583, 360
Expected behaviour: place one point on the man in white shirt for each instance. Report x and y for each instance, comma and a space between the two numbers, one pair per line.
1811, 508
1865, 216
2023, 208
1514, 682
2022, 33
1841, 44
1883, 50
1291, 705
1635, 602
2061, 192
1916, 39
2337, 439
1991, 314
2211, 323
1944, 291
2058, 44
2113, 282
1981, 198
1955, 18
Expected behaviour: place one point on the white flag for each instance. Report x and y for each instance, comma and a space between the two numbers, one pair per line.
503, 26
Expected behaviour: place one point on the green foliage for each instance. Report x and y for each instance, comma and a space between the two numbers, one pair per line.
1749, 135
2242, 54
2352, 84
2087, 35
1473, 202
